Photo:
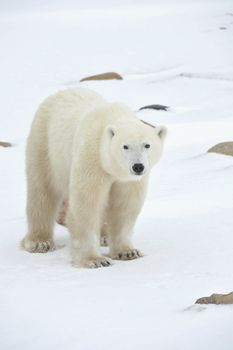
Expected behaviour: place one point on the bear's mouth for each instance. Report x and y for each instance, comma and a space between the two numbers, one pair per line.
137, 174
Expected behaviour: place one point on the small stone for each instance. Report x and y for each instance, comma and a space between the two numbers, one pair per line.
156, 107
103, 76
5, 144
223, 148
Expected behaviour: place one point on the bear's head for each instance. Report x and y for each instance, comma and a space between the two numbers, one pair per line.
130, 149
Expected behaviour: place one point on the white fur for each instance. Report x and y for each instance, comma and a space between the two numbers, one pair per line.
75, 153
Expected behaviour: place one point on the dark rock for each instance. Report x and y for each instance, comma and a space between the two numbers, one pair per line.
156, 107
143, 121
5, 144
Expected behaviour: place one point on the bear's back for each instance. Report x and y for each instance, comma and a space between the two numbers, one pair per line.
64, 112
72, 103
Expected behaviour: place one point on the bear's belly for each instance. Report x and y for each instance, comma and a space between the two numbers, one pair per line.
60, 165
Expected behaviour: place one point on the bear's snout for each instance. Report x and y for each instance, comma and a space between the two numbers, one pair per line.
138, 168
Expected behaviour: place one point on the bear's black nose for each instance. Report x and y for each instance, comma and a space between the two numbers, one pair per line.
138, 168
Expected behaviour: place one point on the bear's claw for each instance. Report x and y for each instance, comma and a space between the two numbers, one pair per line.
129, 254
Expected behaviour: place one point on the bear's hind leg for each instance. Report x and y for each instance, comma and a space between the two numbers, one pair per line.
61, 216
42, 205
41, 209
104, 235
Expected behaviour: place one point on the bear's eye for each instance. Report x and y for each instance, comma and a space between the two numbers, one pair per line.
147, 145
126, 147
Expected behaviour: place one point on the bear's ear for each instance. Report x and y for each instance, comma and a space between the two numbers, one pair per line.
161, 131
110, 131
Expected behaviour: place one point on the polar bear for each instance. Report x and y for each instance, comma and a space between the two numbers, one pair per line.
96, 156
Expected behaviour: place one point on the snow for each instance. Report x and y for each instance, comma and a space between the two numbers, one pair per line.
169, 52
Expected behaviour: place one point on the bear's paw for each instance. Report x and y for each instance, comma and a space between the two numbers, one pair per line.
93, 263
129, 254
37, 246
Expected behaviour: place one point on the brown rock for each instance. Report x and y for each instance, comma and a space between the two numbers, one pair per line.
223, 148
103, 76
216, 299
5, 144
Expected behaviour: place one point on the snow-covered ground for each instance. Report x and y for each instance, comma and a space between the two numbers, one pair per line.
177, 53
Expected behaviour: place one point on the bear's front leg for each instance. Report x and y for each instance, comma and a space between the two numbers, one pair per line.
125, 203
87, 202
